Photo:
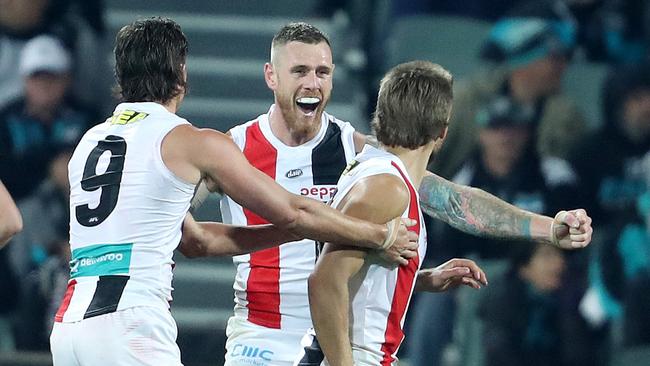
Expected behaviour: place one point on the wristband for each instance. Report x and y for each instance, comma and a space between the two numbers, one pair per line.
393, 227
554, 240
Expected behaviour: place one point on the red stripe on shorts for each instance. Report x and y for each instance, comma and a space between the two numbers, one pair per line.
394, 334
65, 302
263, 286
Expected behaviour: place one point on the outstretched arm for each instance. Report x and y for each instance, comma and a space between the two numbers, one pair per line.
11, 222
479, 213
209, 239
193, 154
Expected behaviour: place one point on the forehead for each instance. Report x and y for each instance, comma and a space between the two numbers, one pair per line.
299, 53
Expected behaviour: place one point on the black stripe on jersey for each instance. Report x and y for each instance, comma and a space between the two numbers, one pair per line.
107, 295
313, 355
328, 158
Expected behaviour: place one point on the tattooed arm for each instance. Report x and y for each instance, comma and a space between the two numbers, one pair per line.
479, 213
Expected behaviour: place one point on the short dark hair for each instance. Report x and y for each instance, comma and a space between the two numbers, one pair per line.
149, 58
413, 105
299, 32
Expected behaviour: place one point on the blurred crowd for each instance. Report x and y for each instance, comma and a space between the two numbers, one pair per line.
513, 133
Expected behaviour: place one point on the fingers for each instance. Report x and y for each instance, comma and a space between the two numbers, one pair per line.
581, 236
574, 230
471, 283
567, 218
476, 272
409, 253
408, 222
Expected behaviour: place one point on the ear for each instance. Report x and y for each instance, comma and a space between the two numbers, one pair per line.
443, 133
270, 76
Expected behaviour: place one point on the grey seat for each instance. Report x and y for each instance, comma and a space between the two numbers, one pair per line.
452, 42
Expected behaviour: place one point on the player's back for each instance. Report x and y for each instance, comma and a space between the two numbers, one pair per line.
380, 293
126, 212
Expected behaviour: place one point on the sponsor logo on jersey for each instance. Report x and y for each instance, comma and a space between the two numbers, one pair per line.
252, 355
322, 193
294, 173
127, 116
353, 164
101, 260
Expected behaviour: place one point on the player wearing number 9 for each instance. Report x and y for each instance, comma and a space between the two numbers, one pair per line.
131, 181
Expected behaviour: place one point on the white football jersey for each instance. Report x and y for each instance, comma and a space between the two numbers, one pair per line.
380, 294
126, 212
271, 285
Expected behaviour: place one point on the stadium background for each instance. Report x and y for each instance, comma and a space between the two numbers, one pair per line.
229, 43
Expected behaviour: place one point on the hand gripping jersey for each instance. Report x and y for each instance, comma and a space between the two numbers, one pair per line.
126, 212
379, 294
271, 285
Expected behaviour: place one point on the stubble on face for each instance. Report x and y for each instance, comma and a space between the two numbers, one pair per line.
304, 85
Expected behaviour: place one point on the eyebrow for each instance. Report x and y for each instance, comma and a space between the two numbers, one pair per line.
306, 67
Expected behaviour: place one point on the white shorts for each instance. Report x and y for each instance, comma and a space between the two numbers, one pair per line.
134, 336
312, 355
250, 344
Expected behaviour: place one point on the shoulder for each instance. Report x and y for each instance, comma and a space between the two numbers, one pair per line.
343, 125
380, 197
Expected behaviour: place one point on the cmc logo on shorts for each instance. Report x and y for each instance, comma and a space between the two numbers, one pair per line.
255, 355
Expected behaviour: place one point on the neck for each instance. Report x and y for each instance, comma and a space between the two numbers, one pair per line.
521, 89
414, 160
172, 106
288, 134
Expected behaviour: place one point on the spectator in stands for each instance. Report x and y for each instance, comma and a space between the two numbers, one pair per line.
31, 126
531, 55
41, 293
79, 24
613, 31
611, 182
45, 214
480, 9
506, 164
611, 187
20, 20
633, 252
530, 332
10, 223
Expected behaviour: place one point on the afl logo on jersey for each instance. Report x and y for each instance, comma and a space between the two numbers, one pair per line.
294, 173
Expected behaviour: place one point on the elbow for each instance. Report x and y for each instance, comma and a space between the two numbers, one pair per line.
313, 290
16, 226
315, 284
11, 228
289, 221
192, 249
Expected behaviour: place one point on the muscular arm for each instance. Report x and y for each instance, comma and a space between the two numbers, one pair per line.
479, 213
195, 153
329, 296
10, 220
205, 239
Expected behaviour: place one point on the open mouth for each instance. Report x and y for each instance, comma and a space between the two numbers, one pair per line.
308, 104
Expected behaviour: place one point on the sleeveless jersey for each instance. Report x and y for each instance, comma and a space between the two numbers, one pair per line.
126, 212
380, 295
271, 285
